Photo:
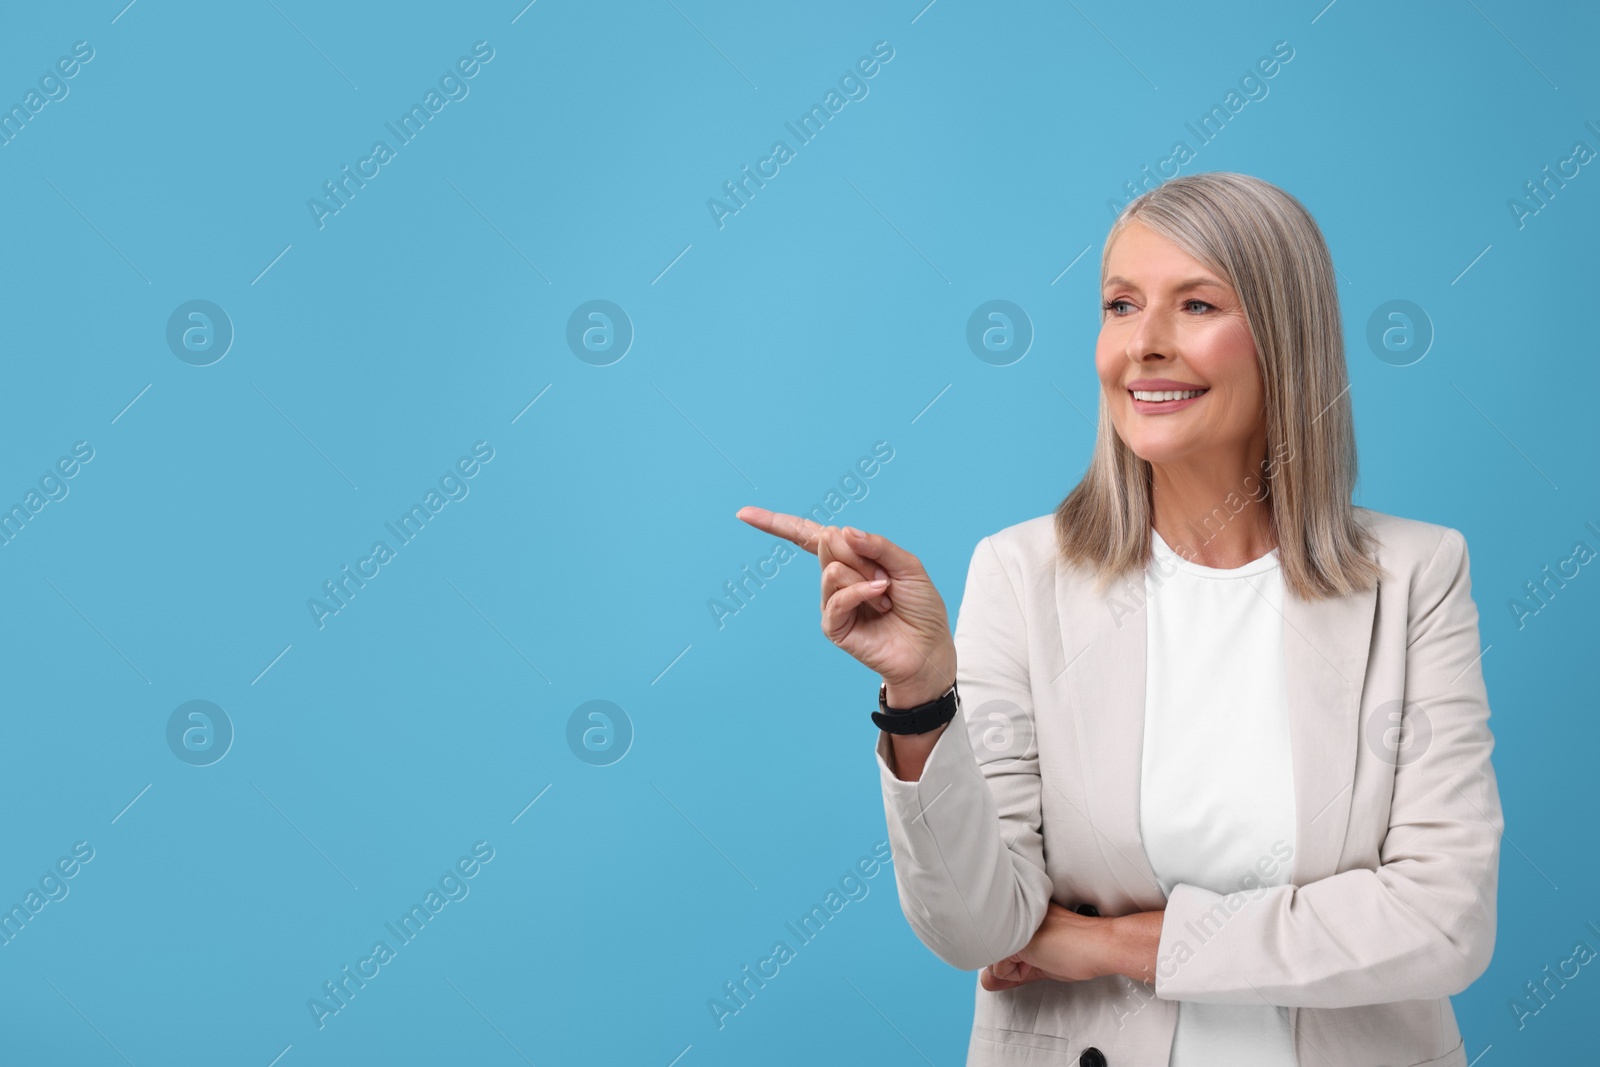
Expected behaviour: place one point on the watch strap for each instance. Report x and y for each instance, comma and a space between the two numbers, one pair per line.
918, 720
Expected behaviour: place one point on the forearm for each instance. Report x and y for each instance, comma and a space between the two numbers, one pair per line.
911, 750
1069, 947
1358, 937
972, 892
1132, 945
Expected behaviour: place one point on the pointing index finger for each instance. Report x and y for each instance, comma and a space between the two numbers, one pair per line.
801, 531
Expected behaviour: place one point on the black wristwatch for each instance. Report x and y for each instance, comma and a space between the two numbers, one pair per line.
917, 720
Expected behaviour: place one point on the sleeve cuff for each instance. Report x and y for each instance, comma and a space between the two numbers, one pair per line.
951, 767
1181, 935
1193, 918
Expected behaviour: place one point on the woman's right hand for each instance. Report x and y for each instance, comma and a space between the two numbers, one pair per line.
898, 629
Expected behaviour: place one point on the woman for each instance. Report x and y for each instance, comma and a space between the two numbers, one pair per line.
1221, 789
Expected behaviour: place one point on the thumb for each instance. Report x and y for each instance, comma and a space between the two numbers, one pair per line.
896, 561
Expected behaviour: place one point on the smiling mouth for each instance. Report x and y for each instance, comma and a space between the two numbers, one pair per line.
1162, 396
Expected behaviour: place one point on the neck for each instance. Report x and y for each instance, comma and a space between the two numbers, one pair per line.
1214, 515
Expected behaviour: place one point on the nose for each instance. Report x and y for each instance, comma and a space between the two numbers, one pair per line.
1150, 338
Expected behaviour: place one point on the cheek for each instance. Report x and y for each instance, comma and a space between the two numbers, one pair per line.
1228, 358
1244, 383
1235, 349
1105, 359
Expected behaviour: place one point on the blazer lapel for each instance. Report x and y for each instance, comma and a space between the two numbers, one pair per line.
1103, 637
1325, 646
1103, 640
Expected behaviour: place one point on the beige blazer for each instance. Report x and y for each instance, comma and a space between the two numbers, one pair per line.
1390, 908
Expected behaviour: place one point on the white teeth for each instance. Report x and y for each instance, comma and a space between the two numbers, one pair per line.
1168, 394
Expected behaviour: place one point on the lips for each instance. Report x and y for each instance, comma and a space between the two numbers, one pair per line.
1172, 400
1162, 384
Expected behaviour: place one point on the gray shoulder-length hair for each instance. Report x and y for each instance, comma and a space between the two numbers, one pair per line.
1263, 243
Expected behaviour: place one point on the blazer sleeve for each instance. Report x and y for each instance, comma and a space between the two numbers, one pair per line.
1422, 924
968, 853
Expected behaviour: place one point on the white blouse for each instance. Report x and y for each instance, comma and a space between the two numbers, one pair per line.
1216, 806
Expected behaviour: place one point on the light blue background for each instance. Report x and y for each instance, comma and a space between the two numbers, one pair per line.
769, 355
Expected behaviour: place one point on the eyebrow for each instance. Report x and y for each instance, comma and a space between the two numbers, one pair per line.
1182, 287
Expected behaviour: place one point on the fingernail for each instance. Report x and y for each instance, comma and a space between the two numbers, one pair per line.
852, 531
880, 573
881, 583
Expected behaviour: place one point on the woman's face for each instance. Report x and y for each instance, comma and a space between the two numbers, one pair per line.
1177, 326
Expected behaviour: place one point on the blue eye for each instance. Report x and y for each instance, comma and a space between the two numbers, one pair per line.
1110, 305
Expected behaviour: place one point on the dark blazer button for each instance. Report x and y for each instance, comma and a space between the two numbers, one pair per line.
1091, 910
1092, 1057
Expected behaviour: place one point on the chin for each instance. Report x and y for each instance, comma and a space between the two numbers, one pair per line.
1163, 455
1153, 451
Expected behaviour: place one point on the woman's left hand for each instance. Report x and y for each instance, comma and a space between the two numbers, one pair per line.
1010, 973
1069, 947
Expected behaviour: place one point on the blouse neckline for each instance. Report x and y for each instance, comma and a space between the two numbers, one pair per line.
1162, 550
